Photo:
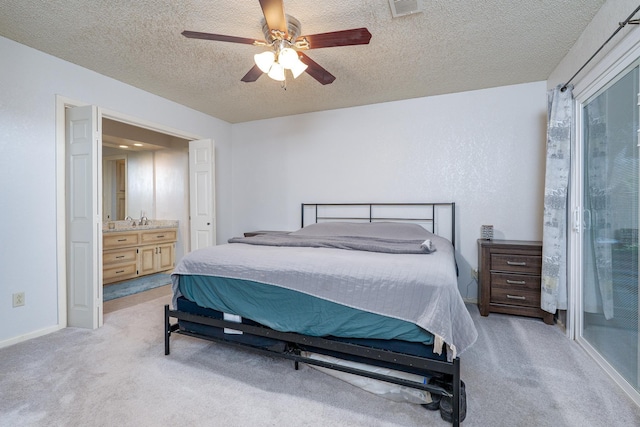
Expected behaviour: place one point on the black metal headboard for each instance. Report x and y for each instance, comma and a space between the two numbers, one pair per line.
439, 218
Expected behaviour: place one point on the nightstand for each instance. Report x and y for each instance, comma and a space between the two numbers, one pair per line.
509, 278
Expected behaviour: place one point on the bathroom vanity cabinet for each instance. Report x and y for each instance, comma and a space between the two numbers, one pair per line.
130, 254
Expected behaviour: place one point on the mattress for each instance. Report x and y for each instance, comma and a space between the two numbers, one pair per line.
290, 311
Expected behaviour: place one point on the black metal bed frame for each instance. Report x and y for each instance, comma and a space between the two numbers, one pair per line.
293, 341
371, 217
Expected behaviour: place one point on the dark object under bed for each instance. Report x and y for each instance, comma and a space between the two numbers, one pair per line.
444, 385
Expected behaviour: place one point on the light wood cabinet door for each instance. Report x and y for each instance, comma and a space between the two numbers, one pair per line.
147, 260
166, 257
153, 259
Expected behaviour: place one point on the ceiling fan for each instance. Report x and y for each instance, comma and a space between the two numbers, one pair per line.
282, 36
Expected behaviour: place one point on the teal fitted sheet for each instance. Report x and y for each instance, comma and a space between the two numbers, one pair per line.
286, 310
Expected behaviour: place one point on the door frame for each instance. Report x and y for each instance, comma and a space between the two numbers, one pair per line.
63, 102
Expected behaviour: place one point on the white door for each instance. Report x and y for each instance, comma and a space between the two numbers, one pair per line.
84, 226
201, 193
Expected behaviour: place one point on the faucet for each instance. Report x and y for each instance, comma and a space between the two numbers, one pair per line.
144, 220
128, 218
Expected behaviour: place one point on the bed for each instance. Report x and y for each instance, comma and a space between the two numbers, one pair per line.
360, 289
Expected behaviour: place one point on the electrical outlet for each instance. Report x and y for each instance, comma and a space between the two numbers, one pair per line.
474, 273
18, 299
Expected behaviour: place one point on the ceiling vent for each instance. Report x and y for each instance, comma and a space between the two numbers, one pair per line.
405, 7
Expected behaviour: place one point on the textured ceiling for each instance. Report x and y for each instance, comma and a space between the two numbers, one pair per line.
452, 46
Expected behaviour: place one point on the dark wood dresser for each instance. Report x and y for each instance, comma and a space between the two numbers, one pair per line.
509, 278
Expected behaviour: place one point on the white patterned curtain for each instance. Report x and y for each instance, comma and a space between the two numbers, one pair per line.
554, 232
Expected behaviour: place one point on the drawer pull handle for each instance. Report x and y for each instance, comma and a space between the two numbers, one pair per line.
159, 236
516, 282
122, 240
120, 256
119, 271
520, 263
516, 297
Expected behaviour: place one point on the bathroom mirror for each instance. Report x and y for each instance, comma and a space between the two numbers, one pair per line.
139, 166
114, 187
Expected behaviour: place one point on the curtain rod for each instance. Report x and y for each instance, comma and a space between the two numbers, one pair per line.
621, 25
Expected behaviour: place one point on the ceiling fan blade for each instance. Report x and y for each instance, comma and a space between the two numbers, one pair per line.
315, 70
218, 37
337, 38
253, 74
273, 11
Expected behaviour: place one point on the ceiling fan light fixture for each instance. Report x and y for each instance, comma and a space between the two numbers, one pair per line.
276, 72
264, 60
298, 68
288, 58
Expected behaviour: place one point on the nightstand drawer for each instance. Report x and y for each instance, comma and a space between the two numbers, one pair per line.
522, 297
515, 281
529, 264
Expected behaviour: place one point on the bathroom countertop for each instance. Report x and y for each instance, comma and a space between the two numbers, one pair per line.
128, 225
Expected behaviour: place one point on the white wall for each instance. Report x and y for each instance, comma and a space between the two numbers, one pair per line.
483, 150
30, 81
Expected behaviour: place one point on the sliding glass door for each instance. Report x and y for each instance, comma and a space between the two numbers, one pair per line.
610, 172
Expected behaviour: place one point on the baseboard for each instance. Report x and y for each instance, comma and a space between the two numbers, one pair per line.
29, 336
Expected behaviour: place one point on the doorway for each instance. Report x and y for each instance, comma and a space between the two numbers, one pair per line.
142, 171
62, 104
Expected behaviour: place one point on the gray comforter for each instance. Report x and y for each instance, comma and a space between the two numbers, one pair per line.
419, 288
355, 243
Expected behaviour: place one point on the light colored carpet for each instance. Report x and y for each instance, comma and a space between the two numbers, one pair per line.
521, 372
